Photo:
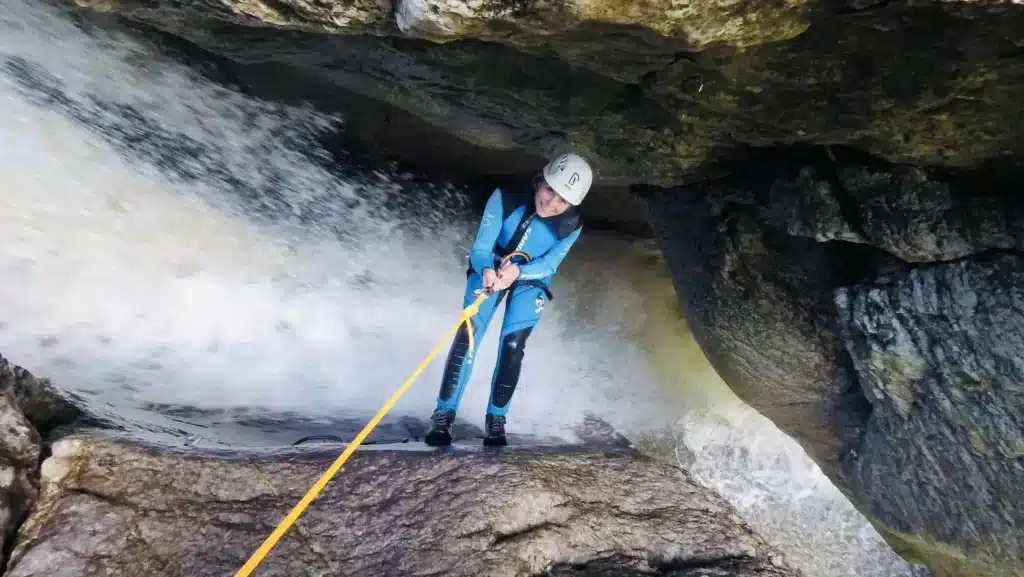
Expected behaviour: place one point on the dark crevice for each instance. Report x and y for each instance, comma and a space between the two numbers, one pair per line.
392, 24
646, 80
500, 538
514, 8
854, 7
64, 416
630, 97
288, 12
852, 408
47, 410
983, 256
648, 514
11, 541
683, 566
847, 203
885, 263
607, 565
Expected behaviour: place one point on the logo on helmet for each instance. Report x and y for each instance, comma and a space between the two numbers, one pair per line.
574, 178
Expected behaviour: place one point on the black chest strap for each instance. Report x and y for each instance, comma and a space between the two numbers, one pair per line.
517, 236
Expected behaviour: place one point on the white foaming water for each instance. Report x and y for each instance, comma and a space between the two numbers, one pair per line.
781, 493
146, 277
141, 285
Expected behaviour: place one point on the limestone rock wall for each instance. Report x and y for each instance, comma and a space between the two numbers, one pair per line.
654, 92
875, 314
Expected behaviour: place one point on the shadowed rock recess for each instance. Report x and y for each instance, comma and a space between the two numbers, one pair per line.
835, 184
655, 91
111, 506
876, 314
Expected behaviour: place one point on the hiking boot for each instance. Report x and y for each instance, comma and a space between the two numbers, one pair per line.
440, 433
495, 428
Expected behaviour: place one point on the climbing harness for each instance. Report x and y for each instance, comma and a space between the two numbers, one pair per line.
465, 317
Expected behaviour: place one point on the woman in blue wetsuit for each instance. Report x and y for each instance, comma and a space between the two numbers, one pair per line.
541, 218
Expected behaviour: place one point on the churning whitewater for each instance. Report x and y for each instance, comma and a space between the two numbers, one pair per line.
170, 242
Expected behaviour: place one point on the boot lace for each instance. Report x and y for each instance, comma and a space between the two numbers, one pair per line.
497, 425
440, 418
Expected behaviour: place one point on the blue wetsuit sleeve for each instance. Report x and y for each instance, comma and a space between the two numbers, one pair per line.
547, 264
481, 255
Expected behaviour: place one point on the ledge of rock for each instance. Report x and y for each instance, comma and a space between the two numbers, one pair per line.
654, 92
112, 506
103, 503
876, 314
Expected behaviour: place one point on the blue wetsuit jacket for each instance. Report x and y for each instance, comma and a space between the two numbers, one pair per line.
509, 223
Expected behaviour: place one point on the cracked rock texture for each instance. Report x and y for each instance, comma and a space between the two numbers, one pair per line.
20, 448
116, 508
939, 353
817, 289
27, 407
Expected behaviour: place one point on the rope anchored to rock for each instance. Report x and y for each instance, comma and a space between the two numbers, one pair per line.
465, 317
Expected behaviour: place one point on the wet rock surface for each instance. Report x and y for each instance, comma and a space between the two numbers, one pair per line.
810, 289
27, 406
43, 405
654, 92
115, 507
104, 501
939, 354
916, 217
909, 212
20, 449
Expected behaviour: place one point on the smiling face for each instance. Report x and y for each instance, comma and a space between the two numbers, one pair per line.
549, 203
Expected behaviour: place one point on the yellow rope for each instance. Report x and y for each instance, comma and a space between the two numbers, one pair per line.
293, 515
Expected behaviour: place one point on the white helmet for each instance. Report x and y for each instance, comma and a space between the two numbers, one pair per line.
570, 176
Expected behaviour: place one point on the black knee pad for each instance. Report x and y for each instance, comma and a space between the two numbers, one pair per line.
513, 347
456, 359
